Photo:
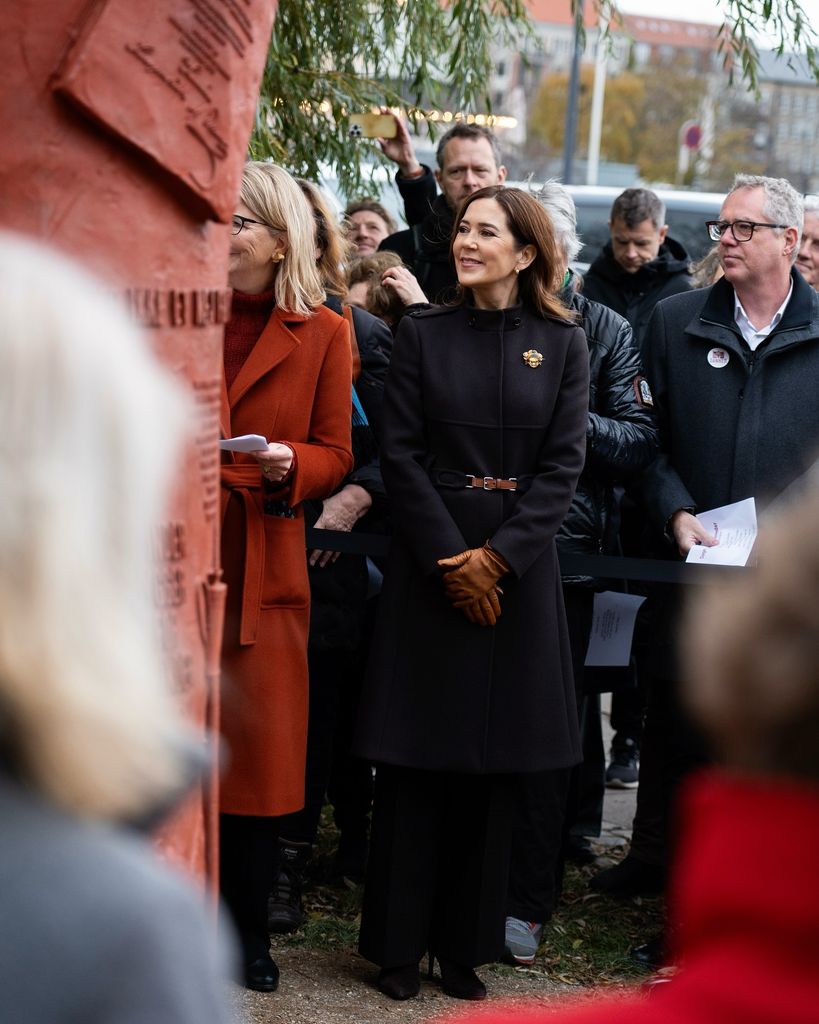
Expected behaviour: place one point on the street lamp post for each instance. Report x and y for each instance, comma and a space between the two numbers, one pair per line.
570, 133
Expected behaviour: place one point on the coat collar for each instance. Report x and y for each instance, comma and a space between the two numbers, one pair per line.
275, 343
800, 322
494, 319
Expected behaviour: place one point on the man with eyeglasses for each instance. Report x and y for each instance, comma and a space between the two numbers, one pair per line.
734, 371
468, 158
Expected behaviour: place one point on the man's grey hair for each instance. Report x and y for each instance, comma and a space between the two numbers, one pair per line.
556, 200
783, 204
810, 203
636, 205
468, 131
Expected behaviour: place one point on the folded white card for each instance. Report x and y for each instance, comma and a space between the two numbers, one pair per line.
245, 443
734, 526
612, 628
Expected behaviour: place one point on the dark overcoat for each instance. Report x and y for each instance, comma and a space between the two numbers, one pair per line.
294, 387
443, 693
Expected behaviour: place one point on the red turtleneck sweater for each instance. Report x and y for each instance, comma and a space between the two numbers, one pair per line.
248, 318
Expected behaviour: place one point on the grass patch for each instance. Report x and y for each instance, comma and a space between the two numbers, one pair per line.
588, 940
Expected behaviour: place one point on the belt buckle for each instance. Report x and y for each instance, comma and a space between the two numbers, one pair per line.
489, 483
513, 480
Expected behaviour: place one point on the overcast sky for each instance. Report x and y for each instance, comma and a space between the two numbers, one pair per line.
707, 11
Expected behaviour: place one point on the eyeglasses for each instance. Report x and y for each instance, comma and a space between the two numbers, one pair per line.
742, 230
238, 223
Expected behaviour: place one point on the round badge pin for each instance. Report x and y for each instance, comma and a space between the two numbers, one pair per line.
718, 357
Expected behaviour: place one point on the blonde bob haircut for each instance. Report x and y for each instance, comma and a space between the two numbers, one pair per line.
89, 430
274, 197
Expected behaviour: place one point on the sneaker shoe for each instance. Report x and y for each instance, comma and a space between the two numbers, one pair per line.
623, 772
522, 939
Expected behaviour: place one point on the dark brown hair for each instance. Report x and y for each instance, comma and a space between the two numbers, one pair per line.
334, 247
369, 205
529, 223
381, 301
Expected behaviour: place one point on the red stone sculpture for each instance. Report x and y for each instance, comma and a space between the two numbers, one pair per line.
124, 129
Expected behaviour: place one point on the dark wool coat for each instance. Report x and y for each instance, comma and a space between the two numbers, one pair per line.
294, 387
634, 296
746, 427
443, 693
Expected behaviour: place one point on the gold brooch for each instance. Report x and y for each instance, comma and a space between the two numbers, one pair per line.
532, 358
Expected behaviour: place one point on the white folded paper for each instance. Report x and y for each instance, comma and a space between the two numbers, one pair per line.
245, 443
734, 526
612, 628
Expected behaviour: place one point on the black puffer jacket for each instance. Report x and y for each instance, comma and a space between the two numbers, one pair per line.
621, 438
634, 296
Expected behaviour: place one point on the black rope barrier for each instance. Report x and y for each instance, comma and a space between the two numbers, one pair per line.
611, 567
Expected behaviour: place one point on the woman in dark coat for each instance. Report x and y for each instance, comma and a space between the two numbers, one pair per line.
484, 426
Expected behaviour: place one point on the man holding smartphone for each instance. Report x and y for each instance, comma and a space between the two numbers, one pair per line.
468, 157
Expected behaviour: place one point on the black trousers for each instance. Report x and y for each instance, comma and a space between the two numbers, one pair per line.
672, 748
548, 805
335, 687
247, 857
438, 869
538, 835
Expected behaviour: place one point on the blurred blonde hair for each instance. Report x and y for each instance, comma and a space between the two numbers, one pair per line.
275, 198
334, 248
89, 428
752, 654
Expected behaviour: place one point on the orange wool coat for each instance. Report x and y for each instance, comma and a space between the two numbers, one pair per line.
294, 387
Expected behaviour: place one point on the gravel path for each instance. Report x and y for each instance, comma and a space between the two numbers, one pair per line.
320, 987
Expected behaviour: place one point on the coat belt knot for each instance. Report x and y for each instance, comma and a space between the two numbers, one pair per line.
245, 481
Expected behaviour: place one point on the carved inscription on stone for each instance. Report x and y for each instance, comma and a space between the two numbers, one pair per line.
207, 393
176, 307
171, 595
177, 80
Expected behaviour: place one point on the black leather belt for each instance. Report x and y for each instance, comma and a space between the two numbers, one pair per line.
278, 508
457, 480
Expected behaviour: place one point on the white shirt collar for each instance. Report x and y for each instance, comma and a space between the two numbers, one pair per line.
755, 336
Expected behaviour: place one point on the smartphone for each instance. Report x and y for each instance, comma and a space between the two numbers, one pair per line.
372, 126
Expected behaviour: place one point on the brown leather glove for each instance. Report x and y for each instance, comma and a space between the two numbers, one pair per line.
472, 573
483, 611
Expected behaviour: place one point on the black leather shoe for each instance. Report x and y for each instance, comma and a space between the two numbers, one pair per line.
650, 954
631, 877
579, 851
460, 982
262, 975
400, 982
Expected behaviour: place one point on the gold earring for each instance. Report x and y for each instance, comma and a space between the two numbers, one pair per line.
277, 257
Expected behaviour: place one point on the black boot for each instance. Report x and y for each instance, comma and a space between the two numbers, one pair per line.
285, 912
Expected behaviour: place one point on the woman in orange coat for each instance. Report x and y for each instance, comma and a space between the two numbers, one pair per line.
287, 378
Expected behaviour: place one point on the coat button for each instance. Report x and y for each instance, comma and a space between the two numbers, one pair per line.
472, 321
516, 322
